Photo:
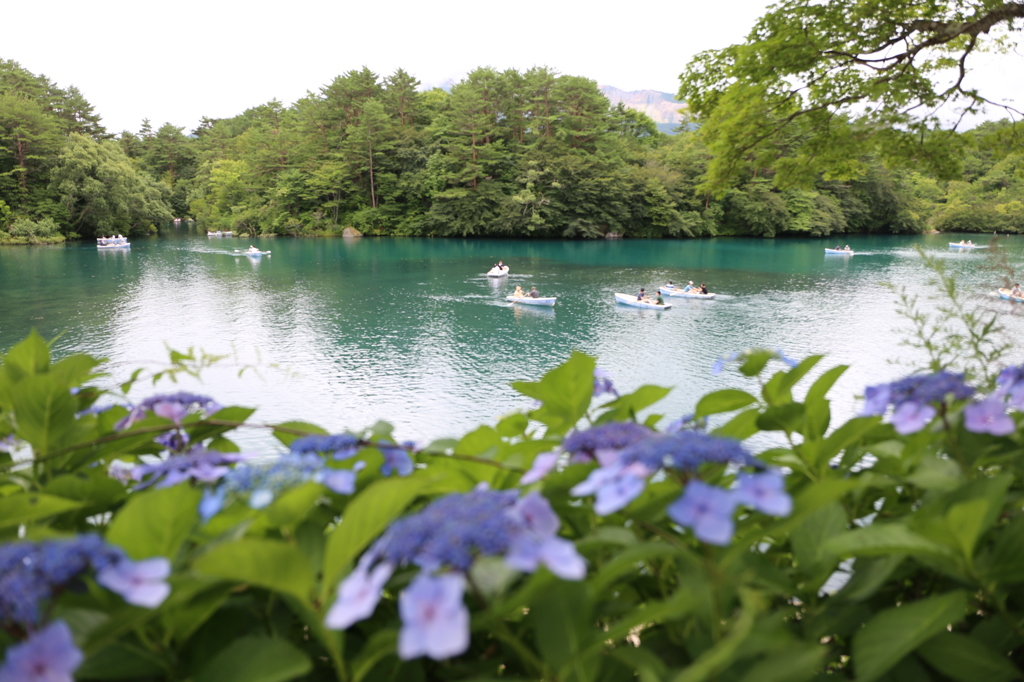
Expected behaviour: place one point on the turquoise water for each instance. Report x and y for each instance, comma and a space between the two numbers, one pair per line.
346, 332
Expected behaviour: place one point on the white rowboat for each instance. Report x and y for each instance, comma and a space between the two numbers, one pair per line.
498, 272
679, 293
530, 300
254, 254
121, 245
629, 299
838, 252
1007, 296
954, 245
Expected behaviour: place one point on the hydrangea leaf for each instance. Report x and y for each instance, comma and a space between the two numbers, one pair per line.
256, 659
155, 522
725, 400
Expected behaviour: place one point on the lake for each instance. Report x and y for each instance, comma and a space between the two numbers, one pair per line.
346, 332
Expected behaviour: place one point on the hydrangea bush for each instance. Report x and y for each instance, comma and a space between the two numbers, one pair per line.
571, 542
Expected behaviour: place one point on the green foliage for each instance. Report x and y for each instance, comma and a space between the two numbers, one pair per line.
901, 558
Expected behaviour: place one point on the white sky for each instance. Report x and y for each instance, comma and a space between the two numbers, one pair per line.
178, 61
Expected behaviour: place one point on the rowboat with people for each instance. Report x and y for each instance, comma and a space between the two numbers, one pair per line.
967, 245
219, 233
679, 293
632, 300
498, 271
1008, 295
839, 252
252, 252
117, 242
530, 300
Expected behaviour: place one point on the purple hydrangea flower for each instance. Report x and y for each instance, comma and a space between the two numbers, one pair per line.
396, 459
199, 464
358, 595
786, 359
989, 416
765, 492
340, 446
688, 422
263, 482
707, 511
541, 467
174, 406
48, 655
876, 400
603, 384
140, 583
435, 621
613, 487
686, 451
449, 534
31, 573
1011, 383
604, 442
911, 416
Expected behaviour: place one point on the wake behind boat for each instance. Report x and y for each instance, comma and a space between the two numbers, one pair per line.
632, 300
530, 300
679, 293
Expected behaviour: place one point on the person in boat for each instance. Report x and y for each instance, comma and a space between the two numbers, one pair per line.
670, 285
970, 243
500, 265
962, 242
533, 292
518, 293
688, 287
703, 288
659, 300
642, 295
253, 249
1015, 291
846, 248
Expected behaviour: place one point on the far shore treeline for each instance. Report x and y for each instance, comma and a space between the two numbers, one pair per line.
509, 154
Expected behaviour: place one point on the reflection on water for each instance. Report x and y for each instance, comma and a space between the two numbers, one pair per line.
348, 331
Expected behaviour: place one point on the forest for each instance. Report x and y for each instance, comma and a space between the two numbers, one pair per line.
503, 154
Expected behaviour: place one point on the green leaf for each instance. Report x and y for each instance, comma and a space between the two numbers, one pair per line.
794, 663
884, 538
822, 384
366, 516
121, 661
740, 427
1006, 562
22, 508
27, 358
809, 537
562, 624
627, 406
155, 522
478, 441
273, 564
788, 418
256, 659
725, 400
283, 431
755, 360
869, 575
44, 411
564, 393
778, 390
965, 659
896, 632
513, 425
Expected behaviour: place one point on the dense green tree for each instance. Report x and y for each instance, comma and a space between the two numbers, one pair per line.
103, 191
852, 77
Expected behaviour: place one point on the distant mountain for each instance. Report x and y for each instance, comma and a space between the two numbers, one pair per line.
660, 106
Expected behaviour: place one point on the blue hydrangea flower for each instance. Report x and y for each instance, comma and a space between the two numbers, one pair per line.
765, 492
603, 384
444, 539
706, 510
396, 458
687, 451
911, 398
262, 482
435, 621
340, 446
173, 406
911, 416
613, 487
604, 442
1011, 384
31, 573
688, 422
989, 416
199, 465
140, 583
541, 467
48, 655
